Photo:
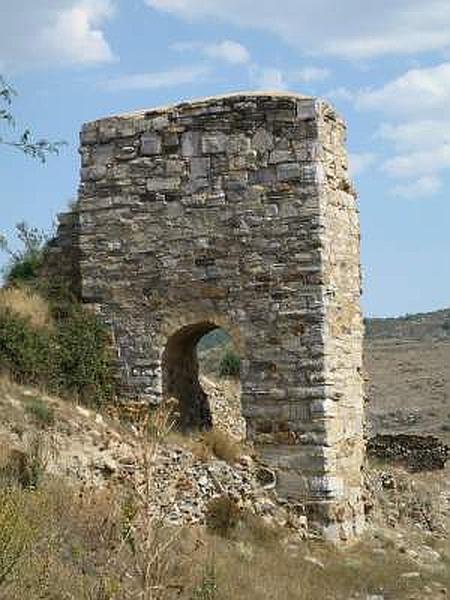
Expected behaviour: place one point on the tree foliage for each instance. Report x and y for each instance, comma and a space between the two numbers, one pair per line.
230, 364
25, 141
24, 263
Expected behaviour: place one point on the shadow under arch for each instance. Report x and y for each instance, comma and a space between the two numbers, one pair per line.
180, 375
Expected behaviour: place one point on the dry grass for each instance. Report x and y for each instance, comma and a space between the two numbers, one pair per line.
64, 542
27, 304
6, 383
207, 445
245, 571
80, 545
222, 445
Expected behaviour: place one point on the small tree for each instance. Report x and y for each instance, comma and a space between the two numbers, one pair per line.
24, 263
25, 142
230, 364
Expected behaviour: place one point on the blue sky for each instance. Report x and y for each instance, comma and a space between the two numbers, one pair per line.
384, 64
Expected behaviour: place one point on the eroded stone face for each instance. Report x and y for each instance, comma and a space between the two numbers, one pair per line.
237, 212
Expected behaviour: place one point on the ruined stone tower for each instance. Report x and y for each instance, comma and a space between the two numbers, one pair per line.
236, 212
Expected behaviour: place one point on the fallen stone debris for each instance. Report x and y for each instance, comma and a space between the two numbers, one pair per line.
416, 452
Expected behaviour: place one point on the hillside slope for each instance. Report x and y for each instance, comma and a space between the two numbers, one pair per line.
407, 363
418, 326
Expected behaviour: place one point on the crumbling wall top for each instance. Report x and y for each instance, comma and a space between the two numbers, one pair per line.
309, 106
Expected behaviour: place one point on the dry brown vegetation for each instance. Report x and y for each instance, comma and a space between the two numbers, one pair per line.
62, 541
208, 444
58, 542
26, 304
222, 445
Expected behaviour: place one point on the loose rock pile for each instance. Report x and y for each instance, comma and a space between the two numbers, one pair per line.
225, 405
183, 485
417, 452
97, 452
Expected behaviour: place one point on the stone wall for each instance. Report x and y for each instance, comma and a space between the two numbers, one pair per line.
236, 212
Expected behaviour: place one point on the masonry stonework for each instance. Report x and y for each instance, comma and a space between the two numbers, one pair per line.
236, 212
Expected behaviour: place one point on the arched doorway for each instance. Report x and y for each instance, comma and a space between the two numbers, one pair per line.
200, 371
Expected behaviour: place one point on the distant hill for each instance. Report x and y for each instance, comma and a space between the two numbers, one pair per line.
419, 326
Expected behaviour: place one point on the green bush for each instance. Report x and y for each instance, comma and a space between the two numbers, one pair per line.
208, 589
25, 263
26, 353
230, 364
82, 357
41, 412
70, 358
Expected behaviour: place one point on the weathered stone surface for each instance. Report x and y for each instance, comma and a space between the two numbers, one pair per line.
238, 214
150, 144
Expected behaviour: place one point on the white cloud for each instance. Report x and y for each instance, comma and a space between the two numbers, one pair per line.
310, 74
425, 186
341, 93
351, 29
53, 32
227, 50
156, 80
419, 163
416, 92
268, 78
360, 162
419, 132
423, 133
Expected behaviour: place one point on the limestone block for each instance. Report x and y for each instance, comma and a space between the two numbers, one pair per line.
214, 143
200, 167
191, 143
163, 183
288, 171
150, 144
262, 140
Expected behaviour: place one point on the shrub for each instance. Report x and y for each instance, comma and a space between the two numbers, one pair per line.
222, 515
71, 357
82, 357
25, 352
207, 590
25, 263
230, 364
222, 445
41, 412
16, 533
24, 468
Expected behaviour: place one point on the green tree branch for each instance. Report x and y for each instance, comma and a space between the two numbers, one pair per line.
26, 143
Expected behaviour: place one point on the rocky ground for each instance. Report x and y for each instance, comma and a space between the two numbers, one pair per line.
408, 512
92, 449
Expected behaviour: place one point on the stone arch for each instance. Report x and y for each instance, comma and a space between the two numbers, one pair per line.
237, 207
181, 378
